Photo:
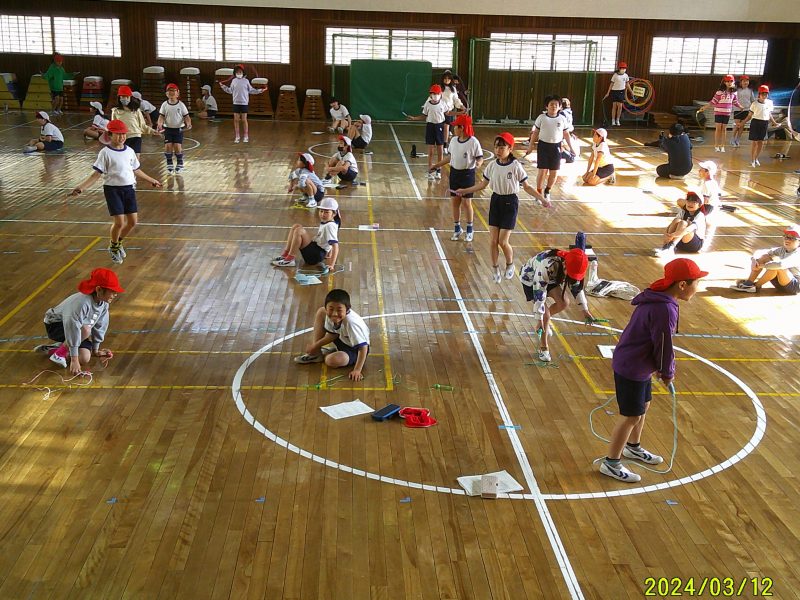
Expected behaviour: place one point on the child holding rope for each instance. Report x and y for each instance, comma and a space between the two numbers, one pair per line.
644, 349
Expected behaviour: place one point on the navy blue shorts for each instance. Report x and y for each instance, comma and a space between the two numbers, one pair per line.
632, 396
758, 130
462, 178
618, 95
792, 288
350, 175
434, 134
740, 115
134, 143
55, 331
121, 199
53, 145
449, 119
320, 194
313, 254
723, 119
173, 135
351, 352
548, 156
606, 171
211, 113
359, 143
503, 211
240, 109
691, 247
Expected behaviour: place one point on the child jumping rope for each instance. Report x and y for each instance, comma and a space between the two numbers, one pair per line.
304, 178
548, 130
434, 112
241, 90
79, 323
616, 89
119, 167
645, 349
173, 119
504, 176
723, 102
337, 323
760, 117
465, 155
322, 248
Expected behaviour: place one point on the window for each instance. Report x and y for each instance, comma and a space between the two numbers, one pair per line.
398, 44
436, 47
179, 39
740, 56
87, 36
576, 57
257, 43
31, 35
545, 52
708, 55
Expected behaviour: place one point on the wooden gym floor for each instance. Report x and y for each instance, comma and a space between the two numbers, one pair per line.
198, 464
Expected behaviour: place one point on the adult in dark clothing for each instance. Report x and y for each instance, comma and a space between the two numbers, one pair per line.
679, 153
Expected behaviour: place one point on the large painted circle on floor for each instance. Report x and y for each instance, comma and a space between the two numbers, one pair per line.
755, 439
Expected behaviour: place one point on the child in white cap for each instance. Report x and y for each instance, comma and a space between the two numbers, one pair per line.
50, 137
323, 248
304, 178
207, 105
99, 123
600, 167
361, 132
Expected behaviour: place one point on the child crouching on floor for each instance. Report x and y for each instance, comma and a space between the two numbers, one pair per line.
336, 323
304, 178
79, 323
780, 266
322, 248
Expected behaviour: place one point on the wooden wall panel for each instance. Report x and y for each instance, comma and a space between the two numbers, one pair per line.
307, 68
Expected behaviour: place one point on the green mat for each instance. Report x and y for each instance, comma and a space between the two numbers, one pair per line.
385, 89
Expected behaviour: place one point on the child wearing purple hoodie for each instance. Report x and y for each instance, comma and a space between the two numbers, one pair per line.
644, 349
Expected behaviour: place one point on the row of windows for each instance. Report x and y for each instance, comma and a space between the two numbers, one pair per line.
270, 44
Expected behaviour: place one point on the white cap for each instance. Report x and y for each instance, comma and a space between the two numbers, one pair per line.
206, 88
96, 105
137, 95
308, 157
328, 203
40, 114
365, 118
601, 132
710, 166
346, 140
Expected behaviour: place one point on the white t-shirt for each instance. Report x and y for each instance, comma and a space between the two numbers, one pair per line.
463, 155
567, 112
618, 82
762, 111
173, 114
327, 235
353, 331
53, 131
451, 99
551, 129
504, 179
146, 106
348, 157
434, 112
366, 132
601, 147
339, 114
117, 166
100, 122
210, 102
710, 191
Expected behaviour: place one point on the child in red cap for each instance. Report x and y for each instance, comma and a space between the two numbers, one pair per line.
173, 118
118, 165
616, 89
465, 155
128, 110
723, 102
760, 117
504, 175
644, 349
780, 265
434, 112
545, 279
79, 323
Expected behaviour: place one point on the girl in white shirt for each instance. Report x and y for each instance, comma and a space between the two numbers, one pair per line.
600, 168
322, 249
760, 116
343, 163
616, 89
50, 137
96, 130
340, 117
239, 87
450, 97
505, 175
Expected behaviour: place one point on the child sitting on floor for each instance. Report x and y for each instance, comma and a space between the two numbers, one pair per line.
338, 324
99, 124
780, 265
50, 137
303, 177
322, 248
687, 231
343, 163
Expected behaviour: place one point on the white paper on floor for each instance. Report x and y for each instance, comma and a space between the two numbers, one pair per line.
347, 409
505, 483
606, 351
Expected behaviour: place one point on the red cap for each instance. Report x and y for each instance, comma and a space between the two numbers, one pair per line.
728, 78
465, 121
506, 137
694, 197
622, 65
435, 89
747, 77
116, 126
124, 90
104, 278
575, 263
792, 231
173, 86
763, 89
680, 269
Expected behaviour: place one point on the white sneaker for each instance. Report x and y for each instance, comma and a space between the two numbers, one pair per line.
544, 355
497, 277
642, 455
510, 271
664, 252
122, 252
46, 348
620, 473
470, 235
456, 235
179, 169
311, 203
59, 360
284, 262
431, 176
236, 141
307, 359
753, 164
116, 256
437, 174
245, 139
722, 148
758, 163
745, 286
716, 148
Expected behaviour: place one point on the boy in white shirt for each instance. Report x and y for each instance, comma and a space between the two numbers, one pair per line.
780, 265
619, 83
434, 112
340, 117
548, 130
50, 137
343, 163
337, 323
173, 117
207, 105
119, 167
361, 132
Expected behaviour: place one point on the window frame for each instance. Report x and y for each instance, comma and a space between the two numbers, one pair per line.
47, 40
712, 68
390, 38
552, 37
116, 36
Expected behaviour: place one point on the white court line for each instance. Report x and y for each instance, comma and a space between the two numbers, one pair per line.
541, 506
16, 126
405, 162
